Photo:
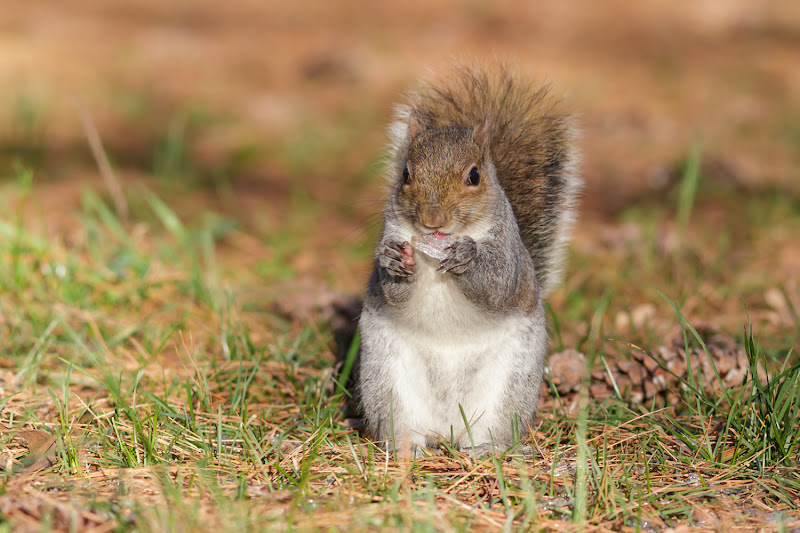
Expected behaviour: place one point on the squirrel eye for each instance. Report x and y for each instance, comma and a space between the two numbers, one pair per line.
406, 178
474, 177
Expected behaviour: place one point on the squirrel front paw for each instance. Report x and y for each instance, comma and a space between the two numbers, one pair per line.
459, 255
396, 257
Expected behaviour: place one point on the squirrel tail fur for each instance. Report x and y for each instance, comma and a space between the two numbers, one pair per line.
533, 147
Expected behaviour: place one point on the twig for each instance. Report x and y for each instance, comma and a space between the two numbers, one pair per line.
96, 145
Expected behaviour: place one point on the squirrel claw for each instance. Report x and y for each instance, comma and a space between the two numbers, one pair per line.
459, 255
395, 258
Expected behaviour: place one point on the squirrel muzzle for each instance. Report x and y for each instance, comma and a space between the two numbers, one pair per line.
433, 218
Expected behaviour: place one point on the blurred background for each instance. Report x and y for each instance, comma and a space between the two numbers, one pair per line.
272, 115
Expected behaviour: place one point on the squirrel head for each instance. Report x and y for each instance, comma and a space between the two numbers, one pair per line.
447, 181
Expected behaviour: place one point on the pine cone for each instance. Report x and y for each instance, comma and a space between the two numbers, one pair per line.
566, 370
658, 377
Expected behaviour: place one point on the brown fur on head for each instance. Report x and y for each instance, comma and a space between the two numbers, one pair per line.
530, 142
447, 182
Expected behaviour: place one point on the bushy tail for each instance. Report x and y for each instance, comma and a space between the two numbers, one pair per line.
533, 146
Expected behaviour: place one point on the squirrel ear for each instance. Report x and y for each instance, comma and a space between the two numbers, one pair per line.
480, 135
414, 126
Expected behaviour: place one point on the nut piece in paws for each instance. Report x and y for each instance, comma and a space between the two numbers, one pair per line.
396, 257
433, 244
459, 255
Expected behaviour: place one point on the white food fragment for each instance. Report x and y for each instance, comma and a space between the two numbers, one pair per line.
432, 246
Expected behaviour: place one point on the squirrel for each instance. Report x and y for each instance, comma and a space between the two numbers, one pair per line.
455, 348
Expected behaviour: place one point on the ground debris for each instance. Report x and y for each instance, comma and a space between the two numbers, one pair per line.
659, 375
41, 450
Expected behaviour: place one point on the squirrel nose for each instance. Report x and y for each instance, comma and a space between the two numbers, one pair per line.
433, 219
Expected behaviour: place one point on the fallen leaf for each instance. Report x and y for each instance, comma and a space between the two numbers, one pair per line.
41, 450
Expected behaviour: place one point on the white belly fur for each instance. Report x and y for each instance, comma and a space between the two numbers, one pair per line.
446, 353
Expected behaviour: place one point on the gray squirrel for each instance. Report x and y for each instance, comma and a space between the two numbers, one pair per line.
483, 161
